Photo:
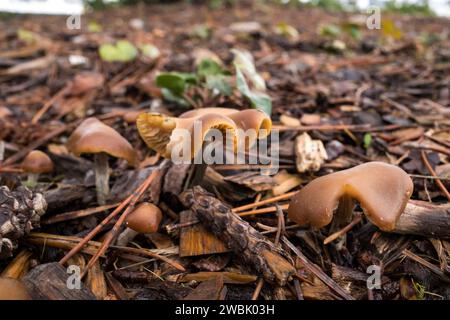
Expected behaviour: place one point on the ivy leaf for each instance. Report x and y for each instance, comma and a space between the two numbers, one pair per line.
243, 61
219, 83
258, 99
122, 51
174, 84
169, 96
208, 67
172, 81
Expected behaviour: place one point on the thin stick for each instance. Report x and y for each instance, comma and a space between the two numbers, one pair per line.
433, 173
36, 144
102, 224
258, 289
263, 202
48, 104
427, 264
114, 231
317, 271
78, 214
343, 231
263, 210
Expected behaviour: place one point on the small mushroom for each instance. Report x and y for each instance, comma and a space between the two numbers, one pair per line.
144, 219
12, 289
156, 129
35, 163
93, 136
381, 189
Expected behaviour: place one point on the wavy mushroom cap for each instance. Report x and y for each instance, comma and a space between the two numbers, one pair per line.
162, 133
381, 189
145, 218
12, 289
159, 131
93, 136
37, 162
202, 111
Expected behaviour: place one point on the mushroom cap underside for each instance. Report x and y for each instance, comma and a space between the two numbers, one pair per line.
381, 189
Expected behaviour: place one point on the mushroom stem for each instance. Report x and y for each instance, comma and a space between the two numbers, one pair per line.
101, 177
126, 237
344, 212
32, 179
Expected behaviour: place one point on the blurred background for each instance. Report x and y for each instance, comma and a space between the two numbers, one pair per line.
428, 7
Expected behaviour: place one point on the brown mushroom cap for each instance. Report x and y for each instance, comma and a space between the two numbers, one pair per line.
381, 189
156, 129
12, 289
145, 218
37, 162
93, 136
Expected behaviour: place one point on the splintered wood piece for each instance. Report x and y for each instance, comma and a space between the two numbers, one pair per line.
253, 249
19, 266
196, 240
50, 282
96, 281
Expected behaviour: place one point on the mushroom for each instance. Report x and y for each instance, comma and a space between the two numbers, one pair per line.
35, 163
144, 219
93, 136
157, 129
12, 289
381, 189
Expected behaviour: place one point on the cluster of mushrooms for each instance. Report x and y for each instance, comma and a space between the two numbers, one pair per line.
381, 189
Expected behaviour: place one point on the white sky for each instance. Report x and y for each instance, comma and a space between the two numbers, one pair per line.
68, 7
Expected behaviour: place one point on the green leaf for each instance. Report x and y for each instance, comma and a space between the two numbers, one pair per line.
26, 36
94, 27
150, 51
243, 61
352, 29
367, 140
219, 82
208, 67
330, 30
286, 30
259, 100
173, 82
389, 29
122, 51
169, 96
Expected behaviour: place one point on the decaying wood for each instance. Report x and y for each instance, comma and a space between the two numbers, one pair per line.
425, 219
66, 194
96, 281
49, 282
19, 266
272, 262
196, 240
228, 277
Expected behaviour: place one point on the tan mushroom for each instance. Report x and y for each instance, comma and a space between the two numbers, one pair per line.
157, 130
94, 137
35, 163
12, 289
381, 189
144, 219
